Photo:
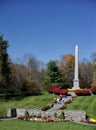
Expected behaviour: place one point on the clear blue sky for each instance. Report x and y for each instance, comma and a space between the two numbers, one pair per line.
48, 28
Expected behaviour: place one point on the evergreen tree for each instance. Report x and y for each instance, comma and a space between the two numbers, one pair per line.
53, 75
4, 66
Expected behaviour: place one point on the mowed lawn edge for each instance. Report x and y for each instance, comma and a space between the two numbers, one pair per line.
28, 125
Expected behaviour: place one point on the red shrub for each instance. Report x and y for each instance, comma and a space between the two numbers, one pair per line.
50, 88
21, 117
56, 90
78, 92
69, 101
73, 97
86, 92
63, 91
62, 107
53, 89
93, 89
45, 108
81, 92
51, 119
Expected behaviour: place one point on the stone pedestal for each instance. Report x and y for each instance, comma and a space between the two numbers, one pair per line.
76, 84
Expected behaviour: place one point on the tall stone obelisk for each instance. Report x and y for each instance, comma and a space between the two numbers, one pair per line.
76, 74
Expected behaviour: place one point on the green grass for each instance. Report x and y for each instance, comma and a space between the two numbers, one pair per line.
27, 102
87, 103
25, 125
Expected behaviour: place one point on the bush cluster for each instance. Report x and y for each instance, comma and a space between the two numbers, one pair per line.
56, 90
93, 89
82, 92
45, 108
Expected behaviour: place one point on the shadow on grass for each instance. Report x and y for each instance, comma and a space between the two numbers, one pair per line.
15, 97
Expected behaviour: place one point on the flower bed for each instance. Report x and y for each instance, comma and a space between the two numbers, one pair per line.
48, 119
91, 121
86, 92
69, 101
93, 89
23, 118
56, 90
78, 92
63, 91
82, 92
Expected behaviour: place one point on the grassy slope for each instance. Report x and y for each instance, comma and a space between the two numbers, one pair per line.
27, 102
87, 103
19, 125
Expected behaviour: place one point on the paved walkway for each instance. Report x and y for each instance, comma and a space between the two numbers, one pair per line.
60, 104
84, 123
8, 118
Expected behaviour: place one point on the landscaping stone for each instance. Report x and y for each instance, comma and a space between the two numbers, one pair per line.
72, 115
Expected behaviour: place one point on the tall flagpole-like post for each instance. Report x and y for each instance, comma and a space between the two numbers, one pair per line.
76, 72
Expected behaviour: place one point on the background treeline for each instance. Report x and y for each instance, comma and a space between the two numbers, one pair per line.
29, 76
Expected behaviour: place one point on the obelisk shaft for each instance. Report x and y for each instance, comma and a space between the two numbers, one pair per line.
76, 79
76, 62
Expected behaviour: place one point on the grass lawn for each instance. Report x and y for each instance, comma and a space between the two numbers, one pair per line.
87, 103
27, 102
25, 125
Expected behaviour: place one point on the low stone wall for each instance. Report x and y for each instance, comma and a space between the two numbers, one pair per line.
74, 115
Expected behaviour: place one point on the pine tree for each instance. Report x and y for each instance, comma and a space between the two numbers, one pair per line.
53, 75
4, 66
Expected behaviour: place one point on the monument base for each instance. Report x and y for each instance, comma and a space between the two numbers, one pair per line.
76, 84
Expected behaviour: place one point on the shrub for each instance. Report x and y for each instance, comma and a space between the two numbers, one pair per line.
50, 89
82, 92
86, 92
26, 114
56, 90
55, 114
45, 108
69, 101
73, 96
39, 115
62, 116
93, 89
21, 117
62, 107
51, 119
78, 92
32, 116
31, 87
63, 91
